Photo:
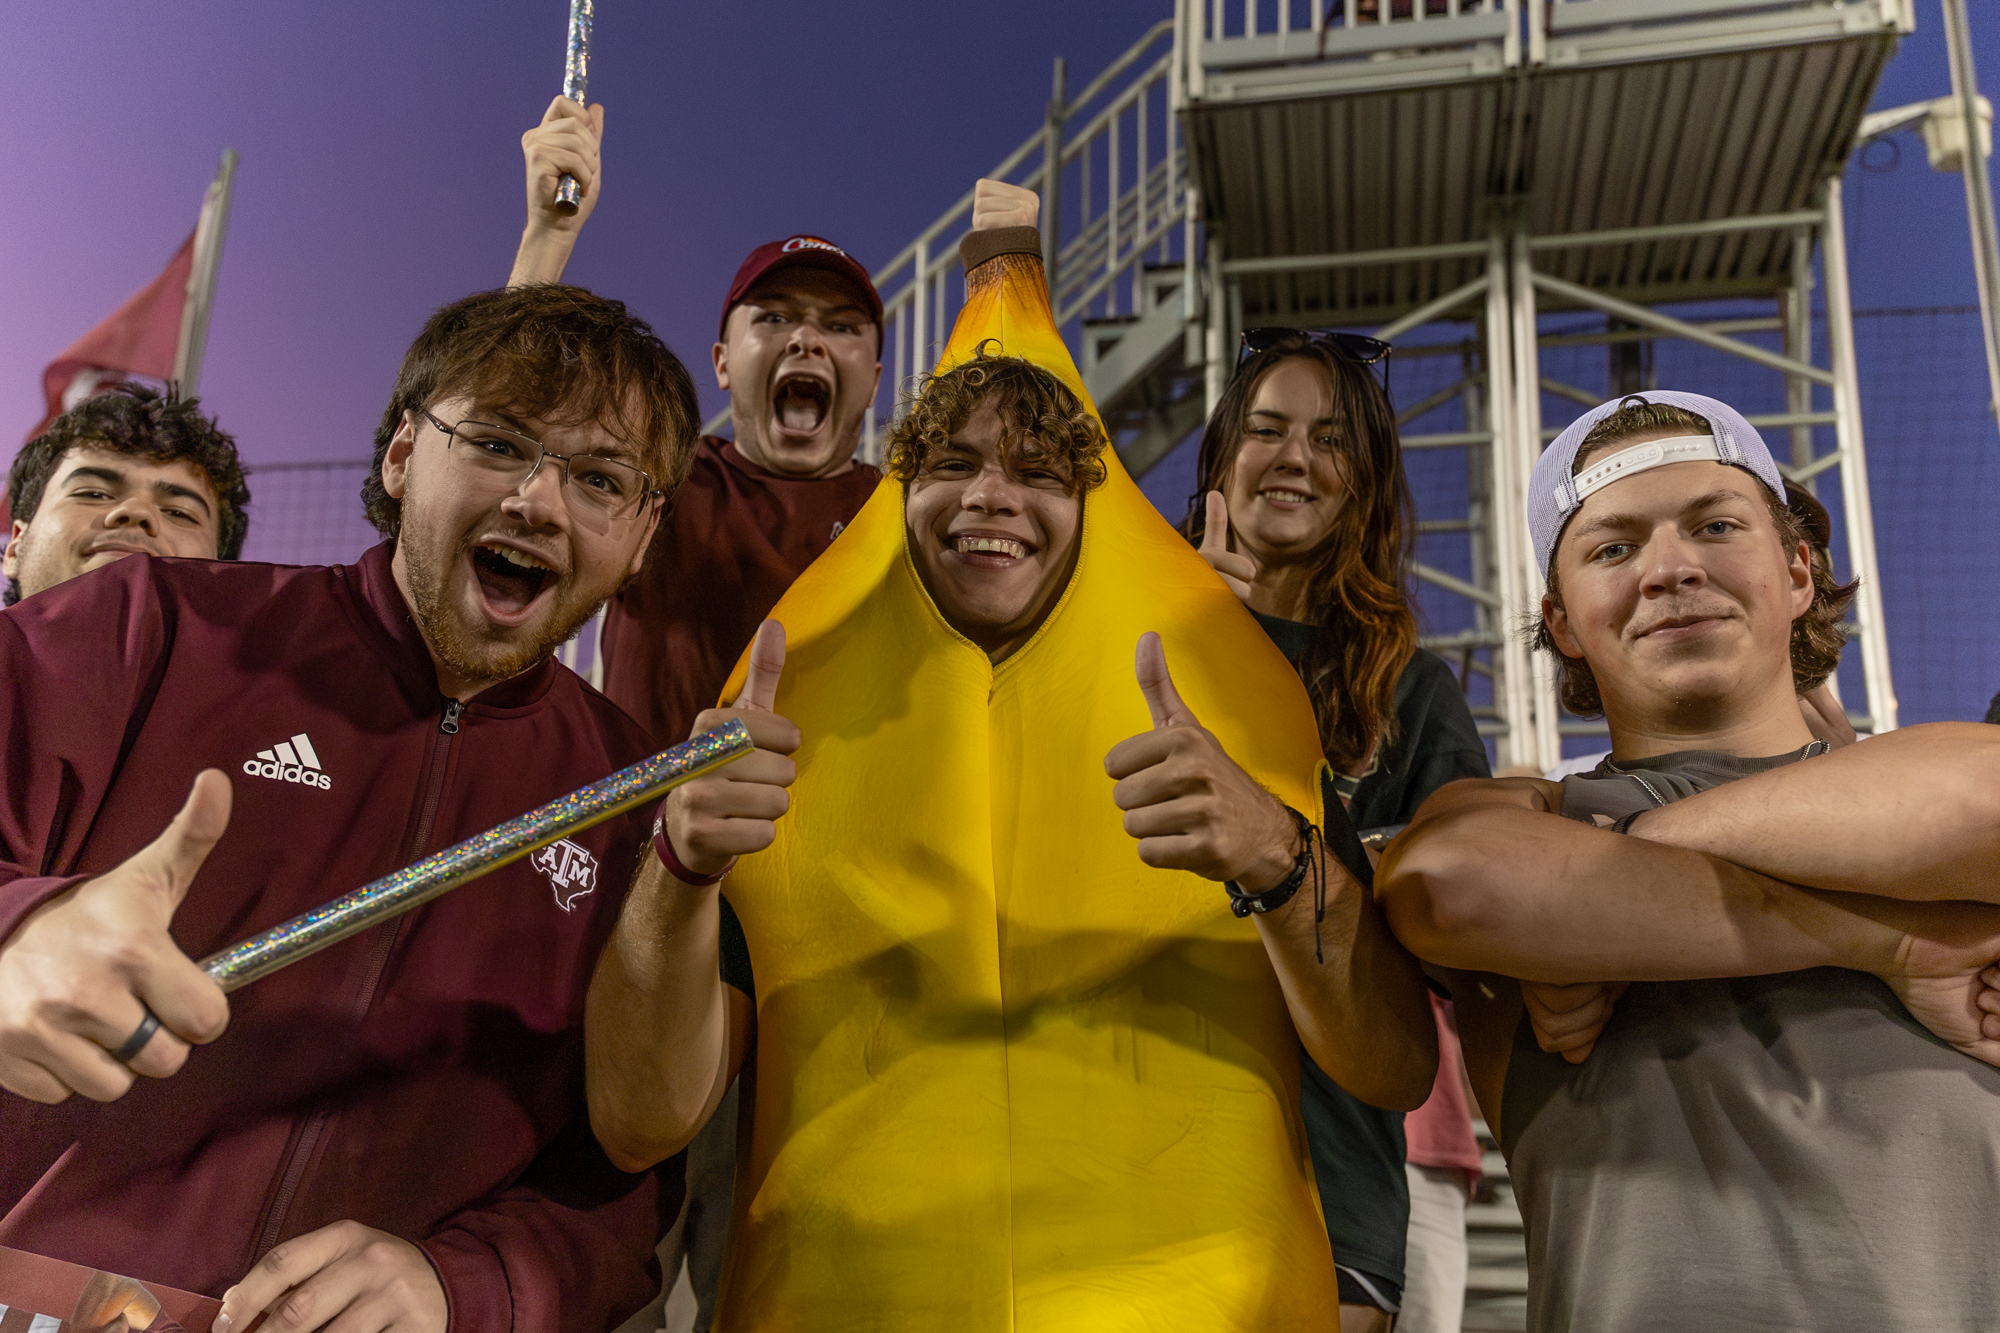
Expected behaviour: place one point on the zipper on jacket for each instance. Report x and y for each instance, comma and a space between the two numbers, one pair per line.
293, 1169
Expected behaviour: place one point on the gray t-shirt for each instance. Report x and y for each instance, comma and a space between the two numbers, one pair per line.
1781, 1152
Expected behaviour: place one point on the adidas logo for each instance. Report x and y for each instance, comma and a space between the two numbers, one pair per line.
294, 760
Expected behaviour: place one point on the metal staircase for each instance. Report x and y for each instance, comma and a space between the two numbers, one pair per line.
1453, 174
1496, 1275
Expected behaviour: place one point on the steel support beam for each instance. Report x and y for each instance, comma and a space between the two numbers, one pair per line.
1527, 447
1680, 328
1978, 189
1431, 310
1513, 687
1860, 513
1672, 231
1402, 254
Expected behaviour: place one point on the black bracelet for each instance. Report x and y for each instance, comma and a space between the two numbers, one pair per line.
1271, 899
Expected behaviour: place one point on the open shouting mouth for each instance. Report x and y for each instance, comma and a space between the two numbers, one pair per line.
800, 405
511, 580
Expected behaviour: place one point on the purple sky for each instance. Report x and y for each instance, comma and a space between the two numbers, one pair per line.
381, 177
381, 172
381, 166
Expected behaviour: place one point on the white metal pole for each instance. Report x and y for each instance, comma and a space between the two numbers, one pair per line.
195, 311
1511, 690
920, 311
1978, 189
1860, 514
1526, 447
1796, 310
1214, 308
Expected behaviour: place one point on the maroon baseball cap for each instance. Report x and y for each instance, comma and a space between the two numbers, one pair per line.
800, 252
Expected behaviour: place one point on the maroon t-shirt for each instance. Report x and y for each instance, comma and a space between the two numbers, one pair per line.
736, 538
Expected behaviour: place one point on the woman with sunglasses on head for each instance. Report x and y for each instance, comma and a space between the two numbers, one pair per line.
1305, 512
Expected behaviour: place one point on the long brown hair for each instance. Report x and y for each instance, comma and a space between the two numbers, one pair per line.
1357, 594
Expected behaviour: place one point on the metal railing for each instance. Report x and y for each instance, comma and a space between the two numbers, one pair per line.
1234, 36
1226, 36
1117, 204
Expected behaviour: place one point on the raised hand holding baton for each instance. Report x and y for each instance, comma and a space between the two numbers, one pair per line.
576, 83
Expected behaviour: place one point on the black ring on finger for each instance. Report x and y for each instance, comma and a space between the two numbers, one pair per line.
140, 1036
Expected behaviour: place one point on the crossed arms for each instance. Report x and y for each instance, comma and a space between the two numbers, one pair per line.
1882, 857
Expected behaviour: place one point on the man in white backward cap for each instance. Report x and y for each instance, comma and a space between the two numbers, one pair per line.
1727, 998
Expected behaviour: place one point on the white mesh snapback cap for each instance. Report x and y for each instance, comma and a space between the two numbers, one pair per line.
1554, 495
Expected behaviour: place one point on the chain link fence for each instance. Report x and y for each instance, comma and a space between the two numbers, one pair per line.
308, 513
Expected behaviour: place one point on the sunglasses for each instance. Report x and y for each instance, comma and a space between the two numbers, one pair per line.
1353, 346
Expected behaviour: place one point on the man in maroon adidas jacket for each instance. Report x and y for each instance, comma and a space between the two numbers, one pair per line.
390, 1134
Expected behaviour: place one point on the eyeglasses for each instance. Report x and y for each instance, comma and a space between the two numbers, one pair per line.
1365, 351
596, 489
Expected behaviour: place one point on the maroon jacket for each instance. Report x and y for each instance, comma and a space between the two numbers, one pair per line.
424, 1077
735, 540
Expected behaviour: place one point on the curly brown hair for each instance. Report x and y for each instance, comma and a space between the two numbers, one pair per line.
157, 425
1358, 595
559, 354
1043, 424
1818, 634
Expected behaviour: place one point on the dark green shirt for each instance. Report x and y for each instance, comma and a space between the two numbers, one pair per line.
1436, 739
1357, 1149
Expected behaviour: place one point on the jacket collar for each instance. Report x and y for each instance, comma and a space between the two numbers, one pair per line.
381, 607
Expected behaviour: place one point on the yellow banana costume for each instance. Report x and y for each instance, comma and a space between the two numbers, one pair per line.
1006, 1076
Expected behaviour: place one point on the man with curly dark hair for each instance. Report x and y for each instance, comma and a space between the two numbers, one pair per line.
1726, 999
996, 455
131, 470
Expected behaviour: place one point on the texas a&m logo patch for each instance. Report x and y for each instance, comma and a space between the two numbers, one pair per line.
572, 871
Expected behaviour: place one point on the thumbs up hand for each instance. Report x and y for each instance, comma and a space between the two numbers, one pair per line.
734, 810
82, 972
1238, 570
1186, 801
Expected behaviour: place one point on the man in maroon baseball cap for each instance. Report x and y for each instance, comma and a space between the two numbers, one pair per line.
799, 351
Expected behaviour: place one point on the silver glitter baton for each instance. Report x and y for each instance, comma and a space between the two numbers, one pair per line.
441, 872
576, 84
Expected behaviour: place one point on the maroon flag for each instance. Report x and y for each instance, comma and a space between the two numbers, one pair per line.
162, 331
142, 337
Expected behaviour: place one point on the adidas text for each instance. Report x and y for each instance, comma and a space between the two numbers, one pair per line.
294, 760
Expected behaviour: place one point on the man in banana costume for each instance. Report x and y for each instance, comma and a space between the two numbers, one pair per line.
1004, 1067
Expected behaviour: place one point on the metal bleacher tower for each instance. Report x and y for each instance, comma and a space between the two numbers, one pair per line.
1450, 174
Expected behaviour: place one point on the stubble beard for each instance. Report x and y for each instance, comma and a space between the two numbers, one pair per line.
473, 656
